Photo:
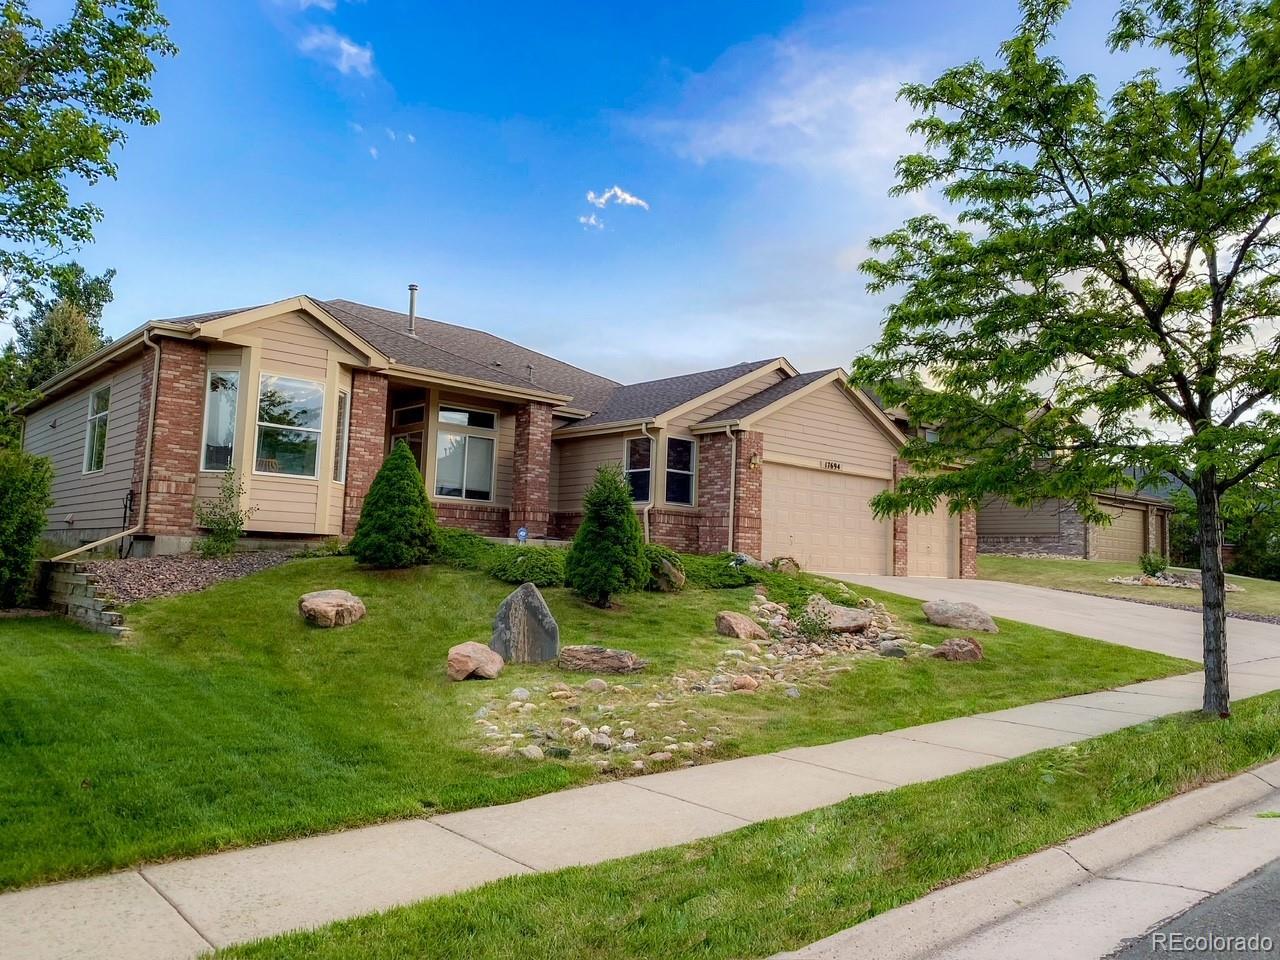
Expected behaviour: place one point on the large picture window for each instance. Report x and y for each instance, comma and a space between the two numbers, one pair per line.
290, 415
95, 436
465, 445
340, 439
680, 461
639, 468
220, 419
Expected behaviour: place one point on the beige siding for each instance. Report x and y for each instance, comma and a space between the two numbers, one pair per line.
578, 462
220, 358
681, 425
999, 518
826, 426
93, 502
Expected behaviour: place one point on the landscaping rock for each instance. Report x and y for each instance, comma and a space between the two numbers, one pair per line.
892, 648
792, 693
595, 685
669, 577
958, 649
785, 565
730, 623
520, 693
746, 684
473, 660
331, 608
531, 752
839, 619
601, 741
660, 757
963, 616
524, 631
594, 659
559, 751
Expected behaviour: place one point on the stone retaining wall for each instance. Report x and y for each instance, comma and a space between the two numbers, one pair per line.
67, 588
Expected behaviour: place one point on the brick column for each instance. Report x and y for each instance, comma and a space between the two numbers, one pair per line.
175, 440
901, 546
366, 442
748, 527
969, 544
531, 472
713, 492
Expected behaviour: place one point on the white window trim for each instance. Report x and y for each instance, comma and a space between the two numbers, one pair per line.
458, 429
692, 472
89, 423
204, 429
257, 402
345, 426
626, 459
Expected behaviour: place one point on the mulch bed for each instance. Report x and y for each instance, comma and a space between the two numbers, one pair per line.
144, 578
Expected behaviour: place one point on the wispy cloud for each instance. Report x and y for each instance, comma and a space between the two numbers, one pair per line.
340, 52
591, 222
355, 127
411, 138
391, 134
321, 4
373, 152
617, 195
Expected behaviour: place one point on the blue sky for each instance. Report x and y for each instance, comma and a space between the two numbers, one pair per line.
344, 149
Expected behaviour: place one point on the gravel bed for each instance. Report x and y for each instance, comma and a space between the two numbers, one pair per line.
1233, 614
144, 578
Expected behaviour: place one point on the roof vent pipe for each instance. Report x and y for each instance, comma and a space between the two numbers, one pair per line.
413, 308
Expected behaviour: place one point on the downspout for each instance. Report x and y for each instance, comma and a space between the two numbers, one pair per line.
733, 477
146, 462
653, 475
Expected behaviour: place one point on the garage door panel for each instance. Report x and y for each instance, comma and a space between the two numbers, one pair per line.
1123, 540
824, 520
933, 544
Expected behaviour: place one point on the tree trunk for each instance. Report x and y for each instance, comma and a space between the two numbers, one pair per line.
1213, 593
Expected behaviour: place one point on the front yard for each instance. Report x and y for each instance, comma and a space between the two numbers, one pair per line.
229, 721
1257, 597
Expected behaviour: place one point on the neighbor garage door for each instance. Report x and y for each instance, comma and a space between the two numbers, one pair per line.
1124, 539
933, 544
822, 518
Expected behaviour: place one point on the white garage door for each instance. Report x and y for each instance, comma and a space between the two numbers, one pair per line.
822, 518
933, 544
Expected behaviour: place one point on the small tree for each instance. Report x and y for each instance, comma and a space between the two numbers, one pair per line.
13, 394
223, 518
25, 482
608, 555
397, 524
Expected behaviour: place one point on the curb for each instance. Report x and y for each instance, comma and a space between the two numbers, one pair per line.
922, 928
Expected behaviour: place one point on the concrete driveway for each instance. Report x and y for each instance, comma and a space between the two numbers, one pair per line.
1140, 625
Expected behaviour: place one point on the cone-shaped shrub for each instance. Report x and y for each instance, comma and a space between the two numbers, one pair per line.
25, 482
607, 556
397, 525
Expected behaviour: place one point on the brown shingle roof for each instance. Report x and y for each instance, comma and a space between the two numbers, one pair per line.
641, 401
770, 394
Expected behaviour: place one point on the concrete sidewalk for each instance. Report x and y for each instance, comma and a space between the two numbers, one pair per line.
1087, 897
182, 908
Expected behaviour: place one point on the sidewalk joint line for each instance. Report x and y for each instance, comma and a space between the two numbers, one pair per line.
823, 766
693, 803
1075, 860
1157, 883
176, 909
485, 846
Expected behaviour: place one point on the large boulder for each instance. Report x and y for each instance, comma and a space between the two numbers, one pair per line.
730, 623
473, 660
331, 608
839, 619
524, 631
592, 659
669, 577
958, 649
962, 616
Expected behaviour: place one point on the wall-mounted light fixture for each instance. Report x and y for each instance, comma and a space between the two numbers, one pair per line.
755, 461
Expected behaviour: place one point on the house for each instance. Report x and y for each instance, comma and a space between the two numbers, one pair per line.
304, 398
1140, 524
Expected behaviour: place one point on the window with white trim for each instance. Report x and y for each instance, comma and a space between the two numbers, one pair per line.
290, 415
466, 441
638, 467
681, 457
221, 390
95, 434
340, 439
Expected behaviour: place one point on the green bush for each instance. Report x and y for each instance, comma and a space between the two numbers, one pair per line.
717, 571
397, 526
222, 518
541, 566
463, 549
1153, 564
607, 556
25, 482
654, 554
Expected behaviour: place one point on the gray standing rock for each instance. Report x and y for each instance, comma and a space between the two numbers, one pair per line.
962, 616
524, 630
588, 658
331, 608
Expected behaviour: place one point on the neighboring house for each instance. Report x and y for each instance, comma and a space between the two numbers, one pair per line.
304, 398
1140, 524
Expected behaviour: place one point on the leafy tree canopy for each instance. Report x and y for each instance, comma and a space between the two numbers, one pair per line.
65, 325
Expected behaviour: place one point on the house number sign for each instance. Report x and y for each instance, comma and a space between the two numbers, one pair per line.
830, 465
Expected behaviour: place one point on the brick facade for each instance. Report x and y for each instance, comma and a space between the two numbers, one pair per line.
969, 544
748, 525
141, 433
531, 472
713, 492
1071, 540
677, 529
175, 446
901, 525
478, 518
366, 442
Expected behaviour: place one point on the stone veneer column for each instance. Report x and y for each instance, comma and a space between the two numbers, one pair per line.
531, 472
366, 442
901, 545
175, 439
748, 528
969, 544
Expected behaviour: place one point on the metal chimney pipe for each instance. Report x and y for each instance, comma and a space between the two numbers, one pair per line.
413, 307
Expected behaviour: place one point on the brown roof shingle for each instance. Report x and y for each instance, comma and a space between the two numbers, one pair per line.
770, 394
641, 401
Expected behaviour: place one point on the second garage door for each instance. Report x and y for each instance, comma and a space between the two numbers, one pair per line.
824, 520
1125, 539
933, 544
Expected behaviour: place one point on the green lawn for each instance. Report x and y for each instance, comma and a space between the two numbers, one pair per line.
1090, 576
784, 883
229, 721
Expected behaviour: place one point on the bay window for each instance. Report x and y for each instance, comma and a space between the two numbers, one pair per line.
219, 419
290, 415
465, 445
680, 461
638, 467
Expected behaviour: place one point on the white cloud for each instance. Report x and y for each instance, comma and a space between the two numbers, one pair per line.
373, 152
617, 195
391, 134
329, 5
411, 138
340, 52
355, 127
591, 222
